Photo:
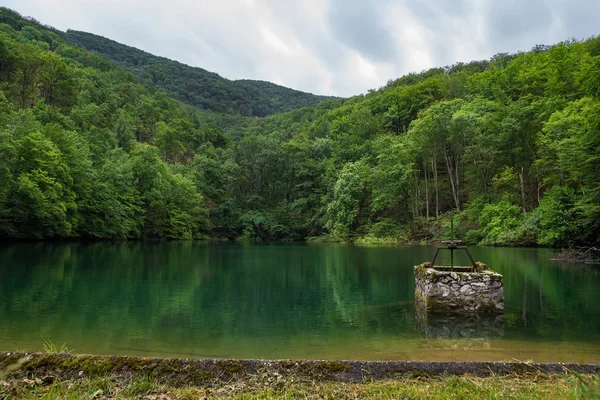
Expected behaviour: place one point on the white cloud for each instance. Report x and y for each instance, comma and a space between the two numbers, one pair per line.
338, 47
274, 41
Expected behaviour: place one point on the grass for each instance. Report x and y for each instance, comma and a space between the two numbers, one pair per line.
53, 375
51, 348
537, 386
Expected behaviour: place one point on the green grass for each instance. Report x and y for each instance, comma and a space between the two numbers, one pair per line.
536, 386
51, 348
61, 376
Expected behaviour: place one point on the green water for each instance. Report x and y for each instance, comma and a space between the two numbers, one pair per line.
188, 299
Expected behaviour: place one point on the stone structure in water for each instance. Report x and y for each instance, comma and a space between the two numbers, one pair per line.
466, 290
458, 301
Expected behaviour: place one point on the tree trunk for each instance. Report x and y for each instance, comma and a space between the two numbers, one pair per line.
426, 190
522, 183
417, 208
435, 183
456, 172
537, 184
453, 184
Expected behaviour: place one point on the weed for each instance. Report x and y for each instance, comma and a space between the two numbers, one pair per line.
584, 387
51, 348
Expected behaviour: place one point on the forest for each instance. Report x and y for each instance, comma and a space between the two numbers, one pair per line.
507, 148
196, 86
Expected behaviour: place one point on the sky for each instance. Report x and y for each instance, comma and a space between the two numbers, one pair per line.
330, 47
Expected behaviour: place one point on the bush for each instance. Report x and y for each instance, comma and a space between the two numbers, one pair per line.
558, 217
383, 228
498, 220
265, 226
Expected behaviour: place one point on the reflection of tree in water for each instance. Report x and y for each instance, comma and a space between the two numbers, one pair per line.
544, 299
190, 294
524, 303
184, 296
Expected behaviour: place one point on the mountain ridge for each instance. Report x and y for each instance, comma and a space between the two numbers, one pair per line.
195, 85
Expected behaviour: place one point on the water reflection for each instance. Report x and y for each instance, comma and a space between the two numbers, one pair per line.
269, 301
458, 326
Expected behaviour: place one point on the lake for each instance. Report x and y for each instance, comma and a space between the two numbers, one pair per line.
273, 301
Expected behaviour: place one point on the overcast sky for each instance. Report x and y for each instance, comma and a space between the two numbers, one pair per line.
334, 47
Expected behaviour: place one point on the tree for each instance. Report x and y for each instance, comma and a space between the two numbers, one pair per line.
348, 194
111, 208
27, 76
558, 217
57, 85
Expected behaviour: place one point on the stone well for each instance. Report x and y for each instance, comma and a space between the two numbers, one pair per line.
460, 290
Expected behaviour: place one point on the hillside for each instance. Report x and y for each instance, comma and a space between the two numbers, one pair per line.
507, 147
196, 86
80, 142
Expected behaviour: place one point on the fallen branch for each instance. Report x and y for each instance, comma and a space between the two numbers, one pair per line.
583, 255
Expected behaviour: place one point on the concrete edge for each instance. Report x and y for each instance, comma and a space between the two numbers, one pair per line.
183, 371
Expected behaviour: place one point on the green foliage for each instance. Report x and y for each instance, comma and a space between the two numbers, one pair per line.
343, 211
383, 228
196, 86
584, 387
70, 163
508, 148
110, 207
265, 226
172, 207
51, 348
392, 175
498, 222
558, 217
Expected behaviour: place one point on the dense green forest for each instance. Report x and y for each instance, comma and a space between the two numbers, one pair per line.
196, 86
508, 147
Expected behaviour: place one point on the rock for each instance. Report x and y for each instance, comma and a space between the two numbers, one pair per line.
464, 289
445, 291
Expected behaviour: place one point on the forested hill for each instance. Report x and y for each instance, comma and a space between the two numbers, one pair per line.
508, 148
196, 86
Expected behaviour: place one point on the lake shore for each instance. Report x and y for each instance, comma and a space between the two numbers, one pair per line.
31, 374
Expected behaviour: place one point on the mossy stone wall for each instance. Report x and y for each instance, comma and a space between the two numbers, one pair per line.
460, 292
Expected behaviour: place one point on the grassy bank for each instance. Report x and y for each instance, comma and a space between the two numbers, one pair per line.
527, 386
66, 376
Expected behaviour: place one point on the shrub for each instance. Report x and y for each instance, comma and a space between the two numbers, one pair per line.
558, 217
497, 220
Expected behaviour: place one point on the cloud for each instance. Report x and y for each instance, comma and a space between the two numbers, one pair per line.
337, 47
361, 26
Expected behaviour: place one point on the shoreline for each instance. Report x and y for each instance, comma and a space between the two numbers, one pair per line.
60, 376
313, 240
186, 371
